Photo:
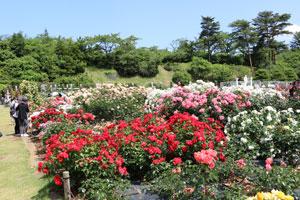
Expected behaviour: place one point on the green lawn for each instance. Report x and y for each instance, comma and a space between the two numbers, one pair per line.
18, 180
98, 76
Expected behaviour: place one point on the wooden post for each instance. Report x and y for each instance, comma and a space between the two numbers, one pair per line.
80, 86
67, 187
171, 84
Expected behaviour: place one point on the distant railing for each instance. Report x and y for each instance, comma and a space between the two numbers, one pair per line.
256, 82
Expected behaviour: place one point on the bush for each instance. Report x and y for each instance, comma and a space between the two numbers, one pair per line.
31, 91
262, 75
264, 133
148, 68
278, 75
183, 77
200, 69
168, 66
291, 75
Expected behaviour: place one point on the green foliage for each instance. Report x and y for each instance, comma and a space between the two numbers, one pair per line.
183, 77
83, 79
290, 59
200, 68
278, 75
210, 34
2, 88
138, 62
290, 74
262, 75
295, 43
30, 90
17, 44
96, 187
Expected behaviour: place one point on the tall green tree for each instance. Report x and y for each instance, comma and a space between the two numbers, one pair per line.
270, 25
17, 44
246, 37
295, 43
209, 35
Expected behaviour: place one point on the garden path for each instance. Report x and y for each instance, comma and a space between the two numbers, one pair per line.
19, 179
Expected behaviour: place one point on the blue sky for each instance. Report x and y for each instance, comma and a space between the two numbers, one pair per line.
155, 22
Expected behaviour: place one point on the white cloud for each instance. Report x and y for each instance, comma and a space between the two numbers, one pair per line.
293, 28
287, 38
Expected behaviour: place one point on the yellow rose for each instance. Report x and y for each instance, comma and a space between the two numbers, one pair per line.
260, 196
288, 197
280, 195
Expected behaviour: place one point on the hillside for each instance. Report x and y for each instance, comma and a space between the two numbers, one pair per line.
164, 76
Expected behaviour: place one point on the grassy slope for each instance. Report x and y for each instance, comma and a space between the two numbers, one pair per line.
164, 77
18, 180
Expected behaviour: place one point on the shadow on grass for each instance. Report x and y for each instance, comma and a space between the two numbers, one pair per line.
49, 191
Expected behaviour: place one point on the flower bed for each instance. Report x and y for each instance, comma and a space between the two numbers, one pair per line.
176, 144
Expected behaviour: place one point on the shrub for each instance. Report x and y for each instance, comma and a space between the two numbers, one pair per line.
264, 133
31, 91
291, 75
181, 77
262, 74
168, 66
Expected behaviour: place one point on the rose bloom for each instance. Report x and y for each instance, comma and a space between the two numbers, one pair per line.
189, 190
269, 161
268, 167
177, 161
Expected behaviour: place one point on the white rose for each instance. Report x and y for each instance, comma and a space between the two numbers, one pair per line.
244, 140
251, 147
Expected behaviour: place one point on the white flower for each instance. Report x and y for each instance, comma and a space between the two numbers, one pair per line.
244, 140
261, 123
248, 121
251, 147
269, 118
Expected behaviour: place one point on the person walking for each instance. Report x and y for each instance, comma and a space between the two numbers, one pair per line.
23, 110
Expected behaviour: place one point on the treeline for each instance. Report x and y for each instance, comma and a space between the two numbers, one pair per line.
212, 54
62, 60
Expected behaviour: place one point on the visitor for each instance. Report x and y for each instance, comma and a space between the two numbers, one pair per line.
59, 97
15, 114
25, 100
11, 109
23, 110
2, 100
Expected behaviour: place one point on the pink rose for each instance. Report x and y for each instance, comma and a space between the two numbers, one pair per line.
268, 167
269, 161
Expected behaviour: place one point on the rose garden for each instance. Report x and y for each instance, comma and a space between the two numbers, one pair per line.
193, 142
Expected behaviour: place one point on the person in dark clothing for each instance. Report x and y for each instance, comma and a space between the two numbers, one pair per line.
25, 100
22, 108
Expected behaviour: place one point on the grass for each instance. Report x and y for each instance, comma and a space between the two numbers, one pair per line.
164, 76
98, 76
18, 180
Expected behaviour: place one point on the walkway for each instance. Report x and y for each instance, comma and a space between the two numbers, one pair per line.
18, 179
